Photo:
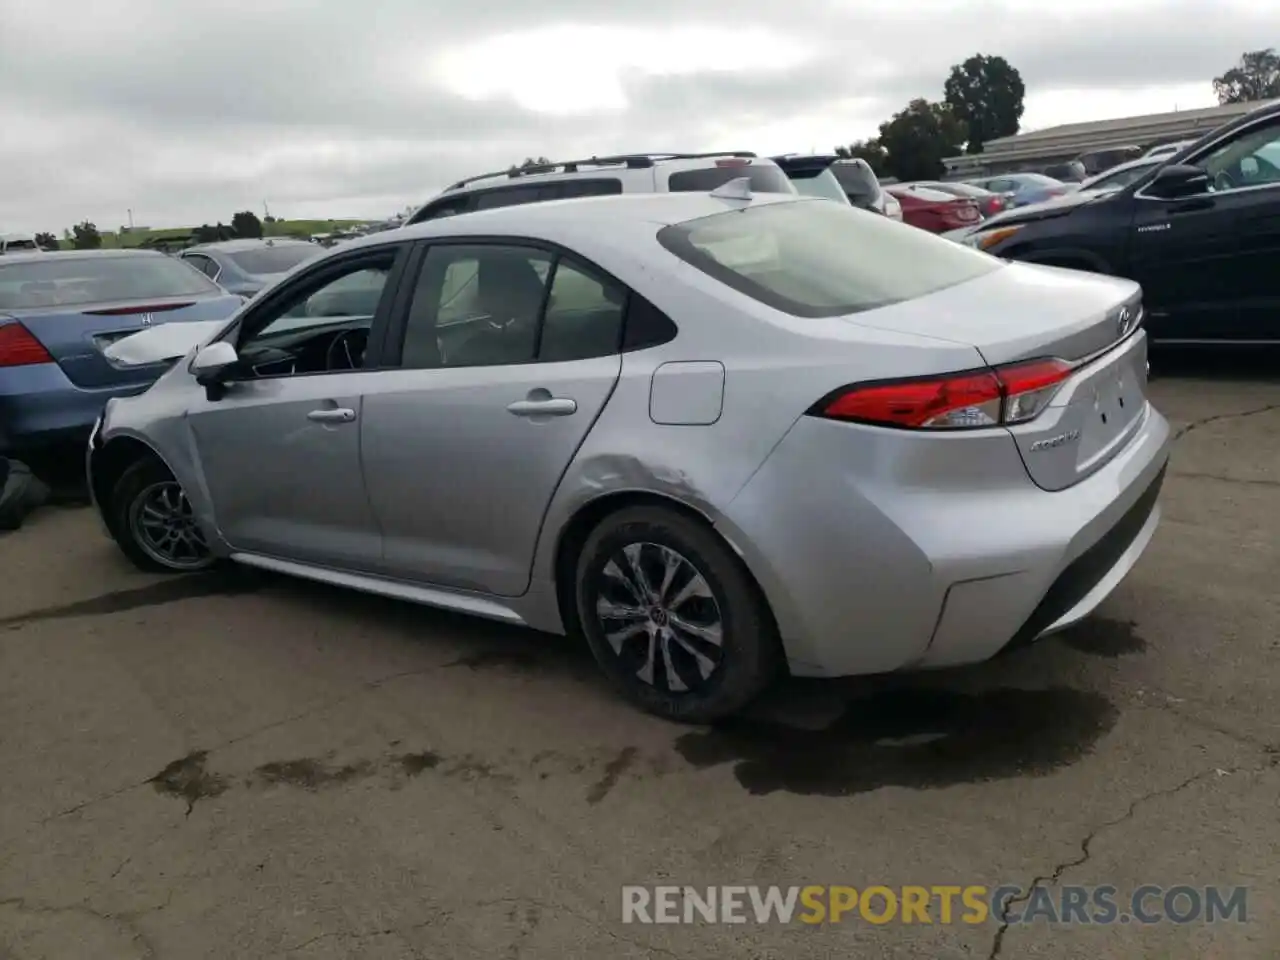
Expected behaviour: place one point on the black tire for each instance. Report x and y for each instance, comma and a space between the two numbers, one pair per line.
748, 654
133, 484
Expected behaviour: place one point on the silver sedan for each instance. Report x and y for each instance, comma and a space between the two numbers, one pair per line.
716, 436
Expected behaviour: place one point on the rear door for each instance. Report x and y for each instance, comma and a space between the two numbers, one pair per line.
78, 306
507, 353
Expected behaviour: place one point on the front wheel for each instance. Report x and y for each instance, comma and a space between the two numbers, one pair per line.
673, 617
154, 524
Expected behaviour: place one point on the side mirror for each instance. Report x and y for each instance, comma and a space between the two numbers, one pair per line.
1178, 180
213, 361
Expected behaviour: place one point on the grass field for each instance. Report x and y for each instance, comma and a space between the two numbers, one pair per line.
280, 228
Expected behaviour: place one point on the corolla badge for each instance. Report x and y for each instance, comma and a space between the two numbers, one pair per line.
1050, 442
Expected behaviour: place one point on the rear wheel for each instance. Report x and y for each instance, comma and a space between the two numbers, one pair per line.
153, 521
672, 616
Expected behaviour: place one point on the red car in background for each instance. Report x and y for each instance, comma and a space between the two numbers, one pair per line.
989, 203
934, 210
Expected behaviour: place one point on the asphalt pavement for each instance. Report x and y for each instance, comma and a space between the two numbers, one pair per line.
245, 766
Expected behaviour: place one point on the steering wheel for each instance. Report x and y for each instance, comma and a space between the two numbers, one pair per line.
346, 350
1223, 181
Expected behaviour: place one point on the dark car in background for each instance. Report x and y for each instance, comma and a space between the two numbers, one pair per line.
934, 210
246, 266
1201, 234
60, 311
1022, 189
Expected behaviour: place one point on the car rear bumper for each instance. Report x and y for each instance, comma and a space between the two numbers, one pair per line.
885, 550
40, 409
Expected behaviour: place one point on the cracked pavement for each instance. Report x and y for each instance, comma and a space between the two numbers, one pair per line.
251, 767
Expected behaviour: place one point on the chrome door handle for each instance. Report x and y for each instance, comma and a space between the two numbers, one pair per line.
338, 415
551, 407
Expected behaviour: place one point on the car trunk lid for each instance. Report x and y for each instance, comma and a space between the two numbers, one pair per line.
78, 337
1024, 312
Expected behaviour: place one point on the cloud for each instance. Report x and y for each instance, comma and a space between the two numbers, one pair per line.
187, 112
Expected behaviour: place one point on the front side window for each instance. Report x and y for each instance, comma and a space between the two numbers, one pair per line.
71, 281
815, 259
1251, 159
321, 325
491, 305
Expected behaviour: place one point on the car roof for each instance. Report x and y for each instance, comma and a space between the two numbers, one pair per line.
42, 255
555, 219
245, 243
612, 165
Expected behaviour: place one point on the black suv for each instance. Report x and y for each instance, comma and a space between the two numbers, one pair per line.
1200, 232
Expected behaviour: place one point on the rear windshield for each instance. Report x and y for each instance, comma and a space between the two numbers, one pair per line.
56, 281
819, 183
268, 260
812, 259
859, 182
18, 245
764, 177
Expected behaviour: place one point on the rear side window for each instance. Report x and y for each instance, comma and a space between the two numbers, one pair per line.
816, 259
510, 197
764, 178
589, 188
75, 281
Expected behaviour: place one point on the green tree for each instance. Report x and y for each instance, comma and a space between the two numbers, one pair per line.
918, 138
868, 150
85, 236
1255, 77
246, 224
47, 241
530, 162
985, 94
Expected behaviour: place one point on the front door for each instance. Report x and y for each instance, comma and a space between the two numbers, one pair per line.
1207, 262
279, 446
509, 355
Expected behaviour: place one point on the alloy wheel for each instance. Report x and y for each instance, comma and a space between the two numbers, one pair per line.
164, 527
660, 617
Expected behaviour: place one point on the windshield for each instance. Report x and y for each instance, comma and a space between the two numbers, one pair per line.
268, 260
58, 281
814, 259
764, 178
819, 183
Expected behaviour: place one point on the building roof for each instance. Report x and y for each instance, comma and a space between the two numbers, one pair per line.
1072, 139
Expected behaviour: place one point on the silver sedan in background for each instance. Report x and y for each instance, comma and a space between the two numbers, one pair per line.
715, 435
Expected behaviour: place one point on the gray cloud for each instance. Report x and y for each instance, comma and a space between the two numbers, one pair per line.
188, 112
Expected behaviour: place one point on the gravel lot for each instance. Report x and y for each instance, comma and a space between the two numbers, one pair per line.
250, 767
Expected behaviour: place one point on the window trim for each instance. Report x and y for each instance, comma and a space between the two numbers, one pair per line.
393, 344
374, 359
1242, 131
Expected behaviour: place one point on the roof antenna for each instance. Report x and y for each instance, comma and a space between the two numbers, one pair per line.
739, 188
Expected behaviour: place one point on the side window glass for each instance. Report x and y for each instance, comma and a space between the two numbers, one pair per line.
321, 326
443, 208
589, 188
508, 197
1249, 160
584, 316
476, 305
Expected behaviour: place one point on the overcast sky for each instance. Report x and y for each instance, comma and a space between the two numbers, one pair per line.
187, 112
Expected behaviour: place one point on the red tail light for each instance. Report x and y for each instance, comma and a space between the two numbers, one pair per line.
18, 348
1006, 395
139, 308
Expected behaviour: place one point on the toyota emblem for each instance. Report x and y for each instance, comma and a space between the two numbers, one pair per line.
1122, 321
